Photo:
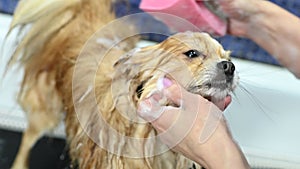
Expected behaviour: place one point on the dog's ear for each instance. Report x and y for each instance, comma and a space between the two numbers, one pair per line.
131, 71
137, 62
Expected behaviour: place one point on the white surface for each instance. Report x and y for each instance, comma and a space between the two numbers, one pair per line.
265, 122
11, 115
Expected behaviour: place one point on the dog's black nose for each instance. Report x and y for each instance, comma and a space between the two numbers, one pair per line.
227, 66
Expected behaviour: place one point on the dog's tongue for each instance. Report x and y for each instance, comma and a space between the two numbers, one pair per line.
224, 103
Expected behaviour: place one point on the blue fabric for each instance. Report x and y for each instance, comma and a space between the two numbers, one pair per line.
8, 6
146, 23
240, 47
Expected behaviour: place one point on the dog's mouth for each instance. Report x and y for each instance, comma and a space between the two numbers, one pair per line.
217, 92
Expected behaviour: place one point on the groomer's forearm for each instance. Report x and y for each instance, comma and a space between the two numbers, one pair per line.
278, 32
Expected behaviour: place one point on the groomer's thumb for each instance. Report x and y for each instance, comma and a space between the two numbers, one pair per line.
173, 91
149, 108
168, 116
161, 117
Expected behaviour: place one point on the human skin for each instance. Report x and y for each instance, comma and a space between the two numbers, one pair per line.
216, 150
270, 26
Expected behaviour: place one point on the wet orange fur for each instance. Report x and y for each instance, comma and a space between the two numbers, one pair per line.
47, 87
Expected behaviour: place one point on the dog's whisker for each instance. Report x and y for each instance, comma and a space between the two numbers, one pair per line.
257, 102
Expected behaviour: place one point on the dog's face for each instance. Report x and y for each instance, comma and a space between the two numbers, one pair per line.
194, 60
212, 73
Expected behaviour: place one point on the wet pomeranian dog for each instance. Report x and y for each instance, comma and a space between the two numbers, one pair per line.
58, 85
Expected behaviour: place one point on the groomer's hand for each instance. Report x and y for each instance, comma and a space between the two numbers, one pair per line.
195, 127
268, 25
240, 13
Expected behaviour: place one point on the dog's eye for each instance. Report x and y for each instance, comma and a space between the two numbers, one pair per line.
192, 53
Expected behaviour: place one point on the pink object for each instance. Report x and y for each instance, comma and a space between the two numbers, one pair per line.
193, 11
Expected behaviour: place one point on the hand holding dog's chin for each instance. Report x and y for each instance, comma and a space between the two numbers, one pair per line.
212, 147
